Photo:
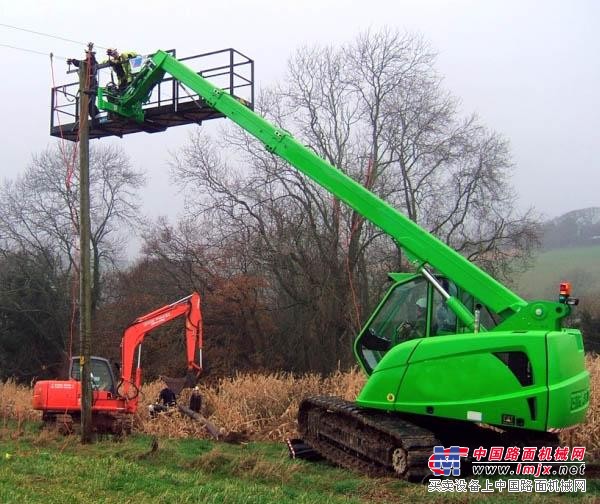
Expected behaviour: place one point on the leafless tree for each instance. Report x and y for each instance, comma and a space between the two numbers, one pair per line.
39, 209
377, 110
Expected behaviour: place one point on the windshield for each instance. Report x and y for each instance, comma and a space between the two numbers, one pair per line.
410, 310
402, 316
102, 378
443, 319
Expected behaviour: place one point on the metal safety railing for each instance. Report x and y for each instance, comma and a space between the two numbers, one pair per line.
228, 69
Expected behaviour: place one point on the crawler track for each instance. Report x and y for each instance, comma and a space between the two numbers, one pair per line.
65, 423
379, 443
368, 441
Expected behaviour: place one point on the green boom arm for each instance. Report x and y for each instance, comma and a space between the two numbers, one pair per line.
416, 241
458, 375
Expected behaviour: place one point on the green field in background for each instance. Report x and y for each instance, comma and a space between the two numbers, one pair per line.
579, 265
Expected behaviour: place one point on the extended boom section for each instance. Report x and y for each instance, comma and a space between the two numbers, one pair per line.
417, 242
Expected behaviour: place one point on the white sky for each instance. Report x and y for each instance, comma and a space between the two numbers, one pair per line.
530, 69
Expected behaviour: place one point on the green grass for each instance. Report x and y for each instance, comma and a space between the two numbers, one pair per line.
44, 468
579, 265
49, 469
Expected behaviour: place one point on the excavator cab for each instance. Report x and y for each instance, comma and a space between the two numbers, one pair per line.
103, 377
413, 309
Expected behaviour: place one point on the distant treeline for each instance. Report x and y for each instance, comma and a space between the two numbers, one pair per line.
573, 229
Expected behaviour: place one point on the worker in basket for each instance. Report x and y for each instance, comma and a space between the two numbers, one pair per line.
91, 83
120, 64
165, 402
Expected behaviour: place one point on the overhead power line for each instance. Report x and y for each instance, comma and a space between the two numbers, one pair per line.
46, 35
33, 51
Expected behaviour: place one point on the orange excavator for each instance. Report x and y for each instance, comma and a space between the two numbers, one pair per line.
114, 403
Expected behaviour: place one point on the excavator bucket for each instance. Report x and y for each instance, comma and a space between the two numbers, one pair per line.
178, 384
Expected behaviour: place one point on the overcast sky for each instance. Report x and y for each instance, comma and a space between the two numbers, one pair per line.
529, 69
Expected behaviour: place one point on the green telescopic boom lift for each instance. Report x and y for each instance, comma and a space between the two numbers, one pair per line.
480, 355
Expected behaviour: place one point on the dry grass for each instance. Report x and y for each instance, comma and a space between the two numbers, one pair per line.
588, 434
15, 402
264, 406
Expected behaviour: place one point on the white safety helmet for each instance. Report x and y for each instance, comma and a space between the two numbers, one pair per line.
421, 303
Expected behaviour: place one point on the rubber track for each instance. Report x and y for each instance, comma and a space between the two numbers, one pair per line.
364, 440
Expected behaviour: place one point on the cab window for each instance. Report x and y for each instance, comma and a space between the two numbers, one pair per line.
102, 378
487, 318
443, 319
401, 317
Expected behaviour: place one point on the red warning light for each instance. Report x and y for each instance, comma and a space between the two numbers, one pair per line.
565, 289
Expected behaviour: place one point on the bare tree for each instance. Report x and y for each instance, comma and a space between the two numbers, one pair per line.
38, 210
283, 225
376, 109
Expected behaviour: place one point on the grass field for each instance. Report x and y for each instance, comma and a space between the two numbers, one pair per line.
47, 468
580, 266
263, 407
50, 469
42, 466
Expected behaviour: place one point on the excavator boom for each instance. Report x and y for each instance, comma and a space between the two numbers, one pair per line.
134, 335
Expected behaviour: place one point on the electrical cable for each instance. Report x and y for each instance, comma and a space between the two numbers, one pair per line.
47, 35
32, 51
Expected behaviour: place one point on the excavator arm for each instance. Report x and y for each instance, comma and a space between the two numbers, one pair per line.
134, 335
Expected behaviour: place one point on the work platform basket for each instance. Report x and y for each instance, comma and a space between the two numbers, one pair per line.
170, 103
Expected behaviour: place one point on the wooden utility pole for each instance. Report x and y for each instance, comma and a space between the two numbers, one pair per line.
85, 290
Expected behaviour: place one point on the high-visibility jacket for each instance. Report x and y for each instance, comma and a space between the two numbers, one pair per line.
122, 67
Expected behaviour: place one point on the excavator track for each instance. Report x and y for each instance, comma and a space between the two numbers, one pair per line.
368, 441
379, 443
102, 423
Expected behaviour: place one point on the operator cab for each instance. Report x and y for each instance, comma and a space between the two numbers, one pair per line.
103, 377
411, 309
